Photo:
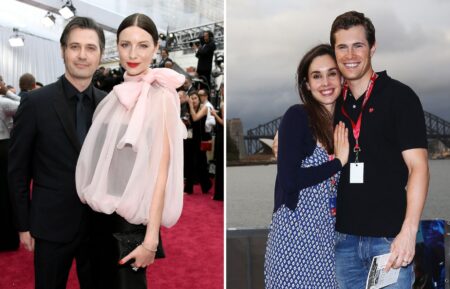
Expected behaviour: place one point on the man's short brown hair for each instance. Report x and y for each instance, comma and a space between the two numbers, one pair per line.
27, 82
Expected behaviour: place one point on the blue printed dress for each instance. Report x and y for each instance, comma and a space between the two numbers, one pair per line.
300, 246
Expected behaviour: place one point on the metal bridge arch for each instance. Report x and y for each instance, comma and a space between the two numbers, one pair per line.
437, 128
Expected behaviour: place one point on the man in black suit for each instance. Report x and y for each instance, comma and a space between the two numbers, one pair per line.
164, 58
49, 129
205, 54
27, 82
187, 86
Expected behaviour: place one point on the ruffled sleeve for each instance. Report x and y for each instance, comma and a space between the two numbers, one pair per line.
176, 130
119, 161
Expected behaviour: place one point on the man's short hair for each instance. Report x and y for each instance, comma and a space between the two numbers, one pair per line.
27, 82
83, 23
168, 64
205, 90
351, 19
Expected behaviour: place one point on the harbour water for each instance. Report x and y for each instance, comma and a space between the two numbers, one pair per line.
250, 194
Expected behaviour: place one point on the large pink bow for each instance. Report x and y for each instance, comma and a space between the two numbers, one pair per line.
134, 92
128, 92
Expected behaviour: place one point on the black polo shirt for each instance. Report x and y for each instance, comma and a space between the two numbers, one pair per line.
392, 121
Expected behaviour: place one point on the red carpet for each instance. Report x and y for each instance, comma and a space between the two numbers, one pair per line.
194, 252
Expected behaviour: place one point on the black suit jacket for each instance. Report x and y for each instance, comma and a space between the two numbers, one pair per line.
162, 63
205, 54
44, 147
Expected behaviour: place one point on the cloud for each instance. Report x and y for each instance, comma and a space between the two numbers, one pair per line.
265, 42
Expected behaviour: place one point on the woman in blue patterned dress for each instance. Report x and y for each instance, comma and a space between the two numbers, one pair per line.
300, 247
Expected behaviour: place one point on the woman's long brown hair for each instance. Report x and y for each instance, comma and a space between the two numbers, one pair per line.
320, 120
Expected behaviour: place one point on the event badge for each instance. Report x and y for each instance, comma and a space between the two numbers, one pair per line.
356, 173
357, 168
333, 206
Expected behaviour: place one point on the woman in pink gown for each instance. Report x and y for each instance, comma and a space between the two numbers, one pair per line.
130, 168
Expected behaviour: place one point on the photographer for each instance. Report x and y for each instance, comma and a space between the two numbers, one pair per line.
164, 58
205, 54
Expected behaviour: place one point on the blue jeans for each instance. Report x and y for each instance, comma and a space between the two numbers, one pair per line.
353, 259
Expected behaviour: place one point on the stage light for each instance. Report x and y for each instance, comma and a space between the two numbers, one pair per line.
68, 10
16, 40
162, 36
48, 20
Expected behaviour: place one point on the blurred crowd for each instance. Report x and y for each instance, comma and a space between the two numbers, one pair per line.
201, 107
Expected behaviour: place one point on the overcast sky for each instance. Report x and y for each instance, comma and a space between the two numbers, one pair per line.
266, 40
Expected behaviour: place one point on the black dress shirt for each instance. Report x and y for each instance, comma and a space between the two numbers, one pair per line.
70, 92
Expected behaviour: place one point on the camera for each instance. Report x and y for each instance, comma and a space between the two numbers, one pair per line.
194, 41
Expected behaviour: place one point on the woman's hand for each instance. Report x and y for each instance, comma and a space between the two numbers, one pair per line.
341, 145
214, 113
143, 256
275, 145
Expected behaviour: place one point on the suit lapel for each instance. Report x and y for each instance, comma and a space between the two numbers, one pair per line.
98, 96
61, 105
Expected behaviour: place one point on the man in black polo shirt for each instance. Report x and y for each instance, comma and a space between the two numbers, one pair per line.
382, 189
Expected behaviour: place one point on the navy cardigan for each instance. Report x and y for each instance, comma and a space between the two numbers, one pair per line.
295, 143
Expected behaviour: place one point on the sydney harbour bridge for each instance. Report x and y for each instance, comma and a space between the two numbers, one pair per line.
437, 128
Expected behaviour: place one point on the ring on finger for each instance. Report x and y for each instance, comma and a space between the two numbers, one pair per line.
135, 268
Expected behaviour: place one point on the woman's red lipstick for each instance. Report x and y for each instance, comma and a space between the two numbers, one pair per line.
132, 64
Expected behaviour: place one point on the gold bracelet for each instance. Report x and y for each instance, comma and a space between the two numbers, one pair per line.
148, 249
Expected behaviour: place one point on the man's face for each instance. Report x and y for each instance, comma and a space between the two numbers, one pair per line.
164, 54
3, 88
186, 84
206, 36
203, 95
168, 64
353, 54
183, 96
82, 54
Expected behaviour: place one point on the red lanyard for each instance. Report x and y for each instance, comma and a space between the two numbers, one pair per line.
357, 126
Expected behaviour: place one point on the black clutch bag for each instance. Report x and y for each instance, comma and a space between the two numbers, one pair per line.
128, 241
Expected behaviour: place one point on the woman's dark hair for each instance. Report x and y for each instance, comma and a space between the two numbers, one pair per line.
83, 23
320, 120
141, 21
349, 20
210, 34
193, 92
196, 93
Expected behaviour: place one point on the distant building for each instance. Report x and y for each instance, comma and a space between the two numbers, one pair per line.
236, 131
437, 150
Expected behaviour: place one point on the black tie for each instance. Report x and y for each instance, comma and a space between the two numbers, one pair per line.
82, 117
